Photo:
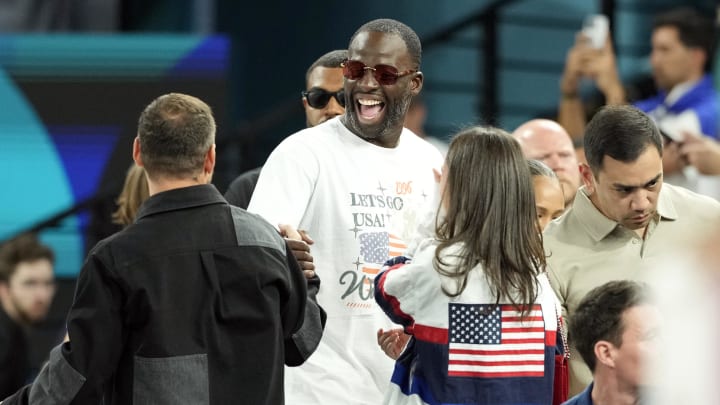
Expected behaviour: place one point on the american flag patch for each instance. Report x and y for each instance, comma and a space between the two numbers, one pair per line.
494, 341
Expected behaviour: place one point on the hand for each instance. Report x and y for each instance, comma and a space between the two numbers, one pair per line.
299, 242
602, 68
437, 175
575, 63
702, 152
392, 342
672, 159
584, 61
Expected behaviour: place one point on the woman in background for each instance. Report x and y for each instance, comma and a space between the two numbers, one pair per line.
549, 200
134, 193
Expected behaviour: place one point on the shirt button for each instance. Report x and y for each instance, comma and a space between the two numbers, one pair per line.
636, 241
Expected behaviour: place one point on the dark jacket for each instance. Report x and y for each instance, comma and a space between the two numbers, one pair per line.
197, 302
14, 363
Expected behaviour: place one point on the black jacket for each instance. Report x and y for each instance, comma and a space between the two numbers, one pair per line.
14, 363
197, 302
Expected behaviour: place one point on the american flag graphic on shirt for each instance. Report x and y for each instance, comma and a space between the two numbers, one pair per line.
377, 247
494, 341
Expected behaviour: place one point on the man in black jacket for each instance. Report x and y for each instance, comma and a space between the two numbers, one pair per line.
197, 302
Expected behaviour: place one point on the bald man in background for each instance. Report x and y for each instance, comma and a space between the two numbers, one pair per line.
547, 141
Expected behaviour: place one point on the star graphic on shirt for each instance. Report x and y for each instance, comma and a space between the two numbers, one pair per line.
355, 230
381, 188
357, 263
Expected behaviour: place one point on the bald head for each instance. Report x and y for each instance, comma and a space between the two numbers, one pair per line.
548, 142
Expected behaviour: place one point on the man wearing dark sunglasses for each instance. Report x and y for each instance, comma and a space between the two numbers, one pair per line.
360, 185
323, 98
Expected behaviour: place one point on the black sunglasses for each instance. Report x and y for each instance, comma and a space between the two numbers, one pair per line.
385, 75
319, 98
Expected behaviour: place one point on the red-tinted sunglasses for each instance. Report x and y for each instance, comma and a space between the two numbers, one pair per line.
385, 75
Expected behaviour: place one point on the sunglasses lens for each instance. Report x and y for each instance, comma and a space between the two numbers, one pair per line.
353, 69
386, 74
318, 98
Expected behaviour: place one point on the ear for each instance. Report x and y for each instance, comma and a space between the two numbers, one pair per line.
209, 164
305, 103
588, 178
699, 57
604, 353
136, 152
416, 83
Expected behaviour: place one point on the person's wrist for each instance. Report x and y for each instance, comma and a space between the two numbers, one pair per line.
616, 95
568, 89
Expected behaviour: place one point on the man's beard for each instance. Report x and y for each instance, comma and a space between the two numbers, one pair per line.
394, 115
25, 317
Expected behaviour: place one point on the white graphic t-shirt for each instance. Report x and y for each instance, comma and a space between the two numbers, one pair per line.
362, 204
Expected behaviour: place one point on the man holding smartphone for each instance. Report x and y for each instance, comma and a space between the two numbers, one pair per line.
681, 59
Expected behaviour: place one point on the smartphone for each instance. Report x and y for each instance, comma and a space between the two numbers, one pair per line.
595, 28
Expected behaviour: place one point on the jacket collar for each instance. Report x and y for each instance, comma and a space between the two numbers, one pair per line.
181, 198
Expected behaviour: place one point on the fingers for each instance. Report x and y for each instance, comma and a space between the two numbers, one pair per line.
298, 245
386, 340
436, 175
306, 237
299, 242
301, 251
392, 342
304, 259
289, 231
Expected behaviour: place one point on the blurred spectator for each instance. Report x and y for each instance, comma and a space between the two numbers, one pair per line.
683, 45
27, 288
549, 199
548, 142
134, 192
616, 330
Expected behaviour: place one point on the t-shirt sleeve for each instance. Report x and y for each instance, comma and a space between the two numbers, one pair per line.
286, 183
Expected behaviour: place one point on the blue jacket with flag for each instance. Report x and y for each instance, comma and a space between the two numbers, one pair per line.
466, 349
